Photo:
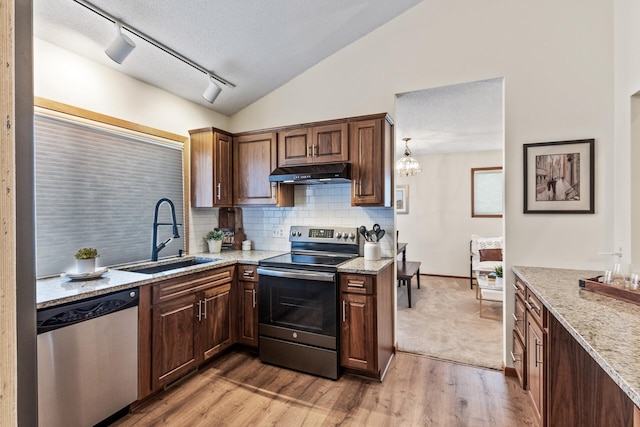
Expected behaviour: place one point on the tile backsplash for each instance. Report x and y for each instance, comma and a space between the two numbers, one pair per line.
321, 205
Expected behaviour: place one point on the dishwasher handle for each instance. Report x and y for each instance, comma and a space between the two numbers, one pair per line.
51, 318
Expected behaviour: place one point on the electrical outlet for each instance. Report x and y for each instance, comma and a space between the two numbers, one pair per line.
277, 231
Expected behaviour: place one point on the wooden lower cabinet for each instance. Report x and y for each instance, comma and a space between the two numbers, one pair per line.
366, 341
248, 305
580, 392
183, 322
536, 364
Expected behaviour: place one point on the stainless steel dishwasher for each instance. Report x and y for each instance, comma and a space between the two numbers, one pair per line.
87, 359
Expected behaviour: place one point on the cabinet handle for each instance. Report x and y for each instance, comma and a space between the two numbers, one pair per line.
313, 149
199, 310
513, 356
515, 318
516, 287
355, 191
356, 283
248, 273
218, 195
526, 302
535, 306
309, 152
360, 187
344, 310
273, 190
254, 298
205, 309
536, 362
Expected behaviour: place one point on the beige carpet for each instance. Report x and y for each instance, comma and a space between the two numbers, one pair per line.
444, 322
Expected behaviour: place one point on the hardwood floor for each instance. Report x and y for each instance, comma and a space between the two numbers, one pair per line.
238, 390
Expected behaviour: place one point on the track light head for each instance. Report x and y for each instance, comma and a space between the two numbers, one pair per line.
120, 47
213, 90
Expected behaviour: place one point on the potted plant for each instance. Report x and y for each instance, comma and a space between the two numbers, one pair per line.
498, 271
86, 260
214, 240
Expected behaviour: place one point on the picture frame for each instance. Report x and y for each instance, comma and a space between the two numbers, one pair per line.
402, 199
559, 177
229, 237
487, 192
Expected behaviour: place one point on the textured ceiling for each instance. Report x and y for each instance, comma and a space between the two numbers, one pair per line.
256, 45
456, 118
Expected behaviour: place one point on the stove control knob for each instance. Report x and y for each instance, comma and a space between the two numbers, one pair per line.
293, 233
298, 233
338, 235
351, 236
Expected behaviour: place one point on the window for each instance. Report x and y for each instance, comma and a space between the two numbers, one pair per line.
486, 192
97, 186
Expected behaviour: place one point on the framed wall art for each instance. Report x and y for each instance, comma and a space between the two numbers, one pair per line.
402, 199
559, 177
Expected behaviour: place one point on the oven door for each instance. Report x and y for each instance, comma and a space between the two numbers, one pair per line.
298, 306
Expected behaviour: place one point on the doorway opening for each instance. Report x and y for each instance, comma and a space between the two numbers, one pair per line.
454, 130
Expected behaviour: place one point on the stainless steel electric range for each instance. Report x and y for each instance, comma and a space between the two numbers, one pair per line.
298, 300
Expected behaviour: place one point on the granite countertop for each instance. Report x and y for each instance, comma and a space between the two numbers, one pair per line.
608, 329
58, 290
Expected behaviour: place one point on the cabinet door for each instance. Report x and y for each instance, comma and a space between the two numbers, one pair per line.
223, 166
330, 143
174, 340
294, 147
248, 330
357, 332
535, 364
201, 149
367, 157
215, 320
254, 159
518, 357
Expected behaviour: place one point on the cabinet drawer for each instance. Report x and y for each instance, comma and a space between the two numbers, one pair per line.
535, 308
518, 317
517, 356
356, 284
520, 288
184, 285
248, 273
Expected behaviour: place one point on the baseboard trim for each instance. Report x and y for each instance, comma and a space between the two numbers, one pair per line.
445, 276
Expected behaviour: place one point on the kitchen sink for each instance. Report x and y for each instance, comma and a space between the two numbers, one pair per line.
173, 265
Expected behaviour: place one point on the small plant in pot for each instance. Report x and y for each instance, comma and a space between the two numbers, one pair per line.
498, 272
214, 240
86, 260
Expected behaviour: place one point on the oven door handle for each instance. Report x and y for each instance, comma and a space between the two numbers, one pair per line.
316, 276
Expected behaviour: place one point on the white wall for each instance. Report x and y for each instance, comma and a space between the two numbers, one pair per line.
65, 77
439, 223
557, 62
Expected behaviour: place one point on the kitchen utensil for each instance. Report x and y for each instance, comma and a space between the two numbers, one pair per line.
372, 236
363, 231
380, 235
376, 227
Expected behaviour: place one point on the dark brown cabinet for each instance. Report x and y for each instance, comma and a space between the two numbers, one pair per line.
255, 156
371, 143
211, 153
317, 144
535, 364
248, 305
366, 342
189, 320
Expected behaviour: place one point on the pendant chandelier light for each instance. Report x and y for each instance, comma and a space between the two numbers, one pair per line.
408, 166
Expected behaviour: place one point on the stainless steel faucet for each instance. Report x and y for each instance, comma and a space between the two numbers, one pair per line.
155, 248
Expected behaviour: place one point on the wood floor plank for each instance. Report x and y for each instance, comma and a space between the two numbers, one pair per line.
238, 390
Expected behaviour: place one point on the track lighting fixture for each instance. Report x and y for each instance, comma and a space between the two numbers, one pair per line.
123, 45
120, 47
212, 91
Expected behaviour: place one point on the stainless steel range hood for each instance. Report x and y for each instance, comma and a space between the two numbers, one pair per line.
313, 174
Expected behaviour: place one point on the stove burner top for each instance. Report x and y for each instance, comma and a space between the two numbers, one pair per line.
306, 261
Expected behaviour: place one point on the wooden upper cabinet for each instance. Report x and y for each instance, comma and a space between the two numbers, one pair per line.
371, 172
211, 168
317, 144
254, 159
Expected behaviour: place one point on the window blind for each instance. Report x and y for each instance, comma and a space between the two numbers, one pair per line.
98, 188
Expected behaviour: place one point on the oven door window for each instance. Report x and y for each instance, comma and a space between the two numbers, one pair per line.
298, 304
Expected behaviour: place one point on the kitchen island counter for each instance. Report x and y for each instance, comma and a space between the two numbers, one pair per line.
605, 327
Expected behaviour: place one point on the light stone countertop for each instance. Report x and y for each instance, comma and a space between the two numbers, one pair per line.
52, 291
608, 329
